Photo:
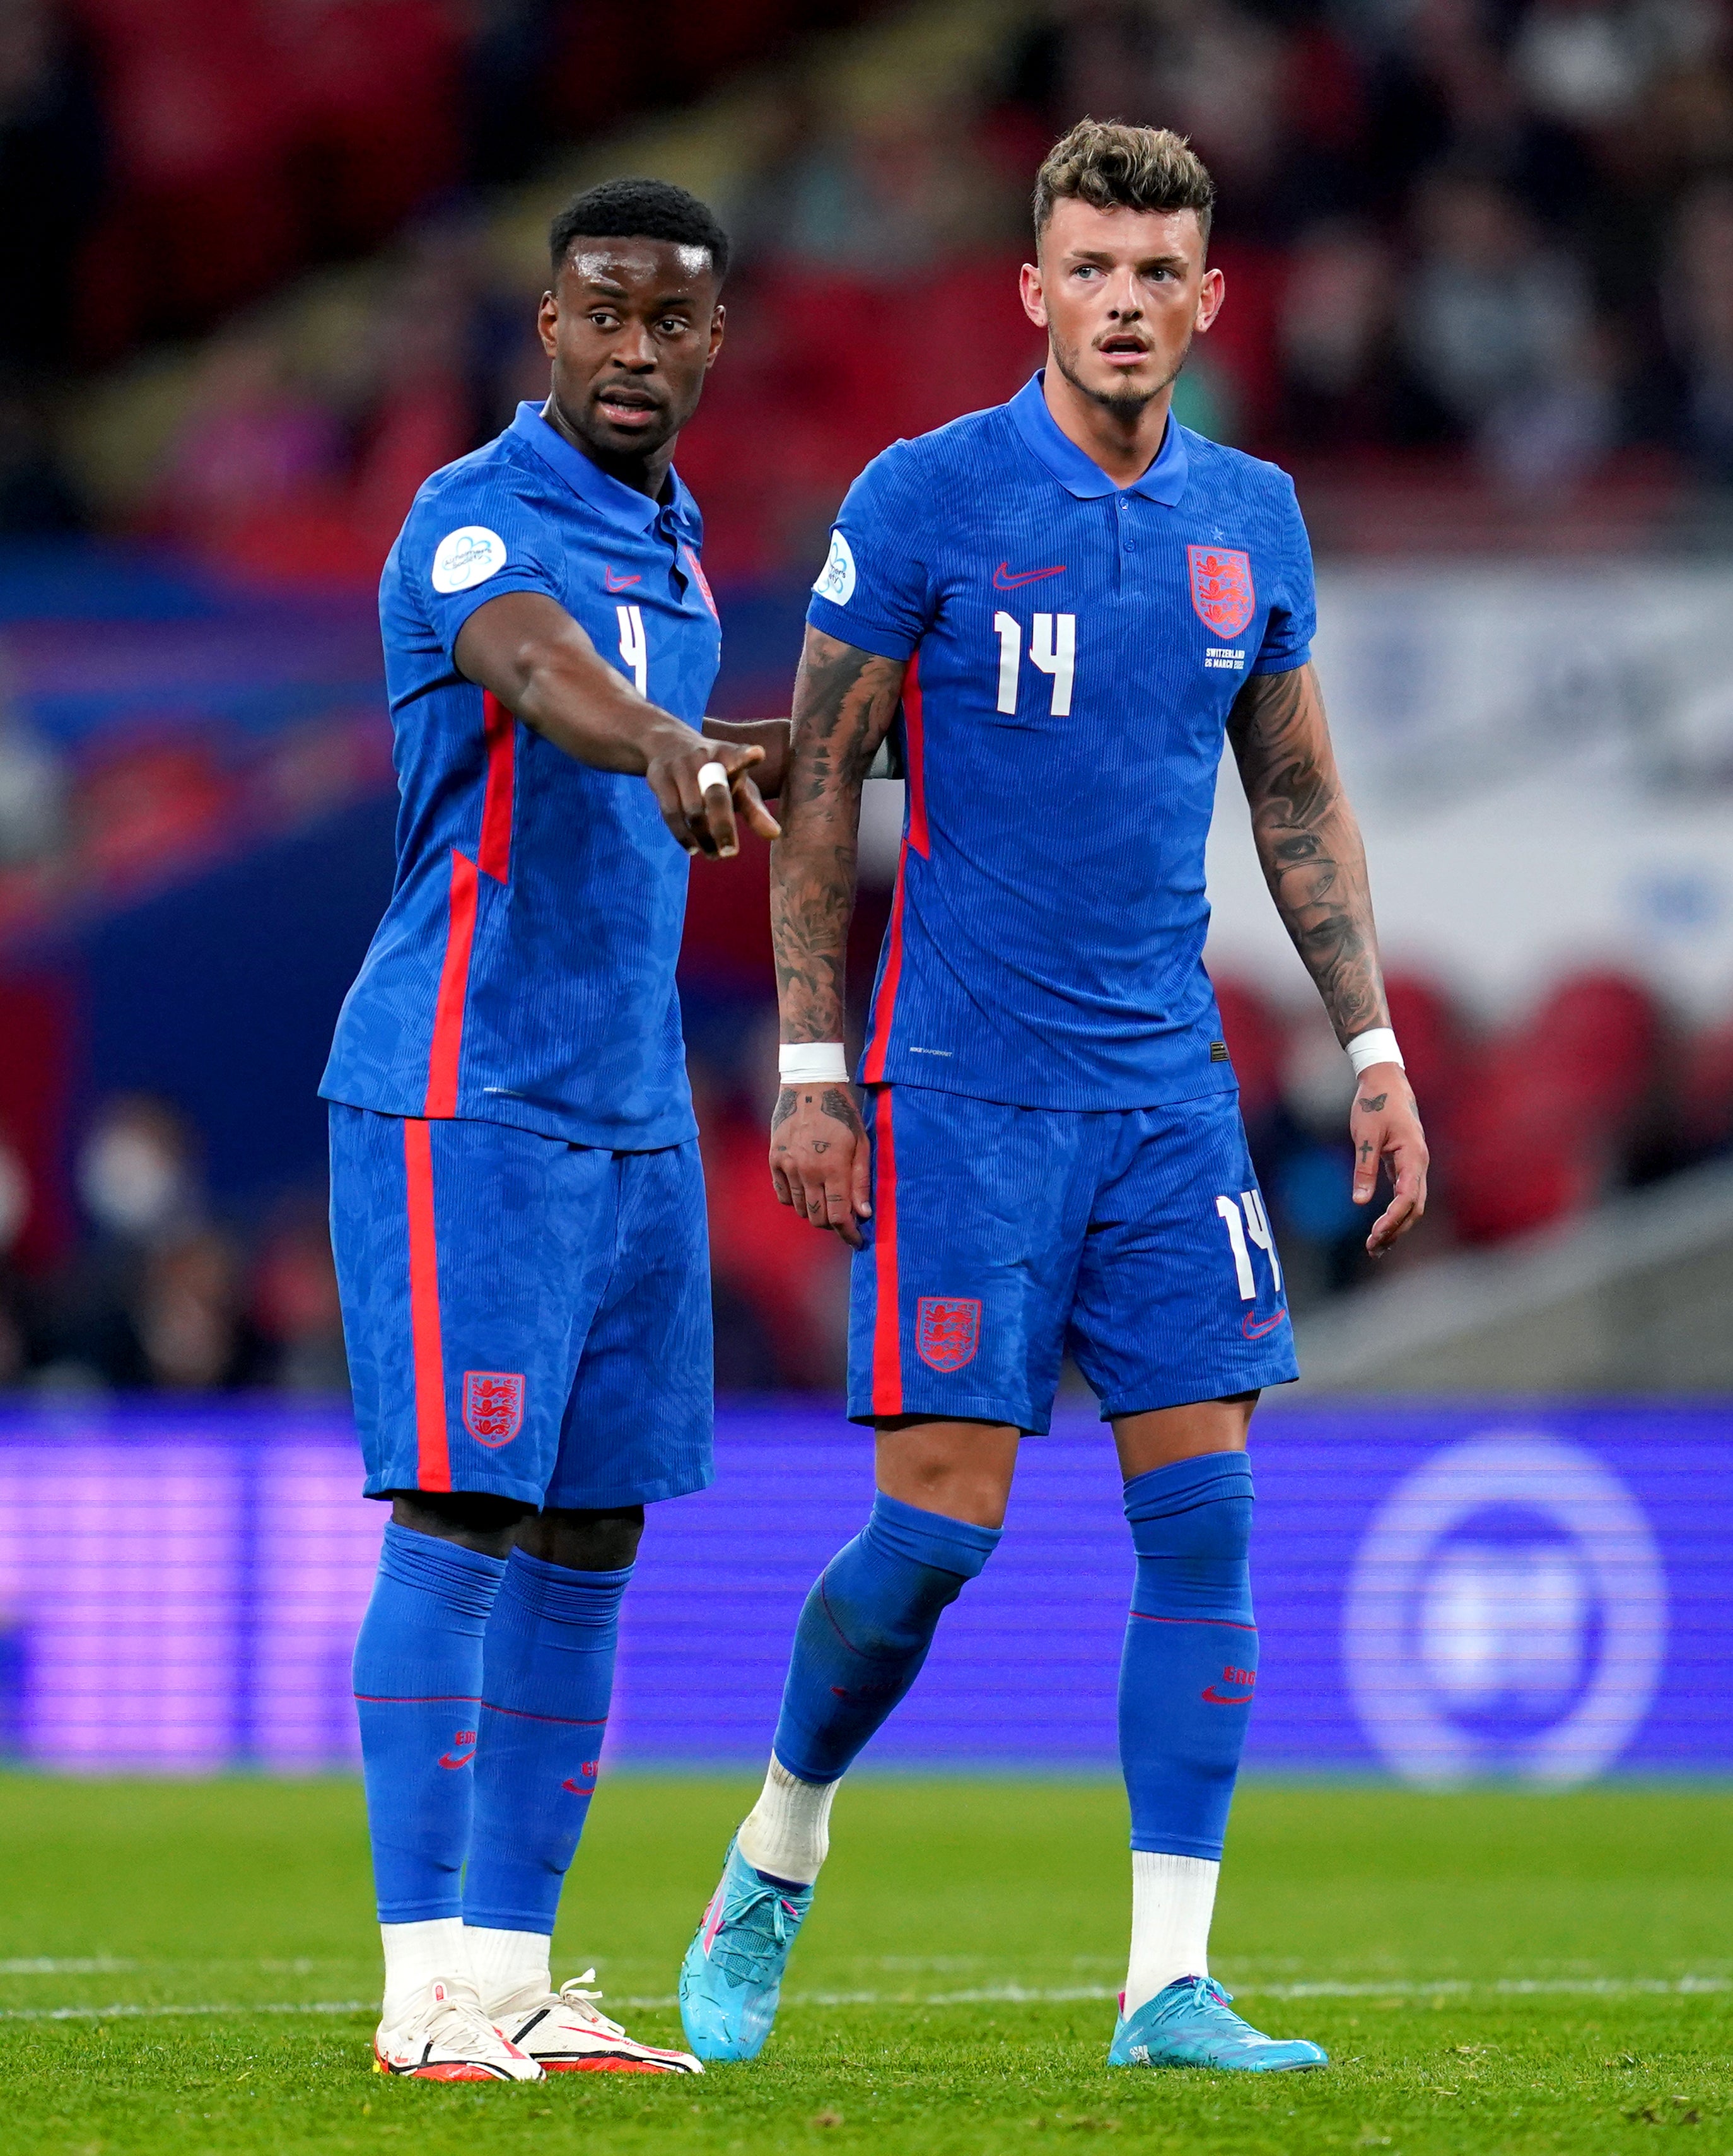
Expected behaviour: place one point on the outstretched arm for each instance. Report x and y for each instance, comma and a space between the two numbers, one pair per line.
1309, 845
844, 701
540, 663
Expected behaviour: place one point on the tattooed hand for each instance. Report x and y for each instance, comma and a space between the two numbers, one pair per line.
1385, 1127
820, 1161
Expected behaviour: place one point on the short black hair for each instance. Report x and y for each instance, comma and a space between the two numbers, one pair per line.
638, 209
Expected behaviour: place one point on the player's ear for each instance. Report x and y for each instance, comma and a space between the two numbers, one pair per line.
547, 323
718, 323
1034, 304
1212, 292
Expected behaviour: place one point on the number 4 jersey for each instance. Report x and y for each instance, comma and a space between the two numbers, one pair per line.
1073, 647
524, 972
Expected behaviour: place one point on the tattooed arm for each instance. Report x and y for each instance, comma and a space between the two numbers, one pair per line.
1308, 843
844, 701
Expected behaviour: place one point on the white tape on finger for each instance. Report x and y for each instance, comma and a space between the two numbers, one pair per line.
712, 774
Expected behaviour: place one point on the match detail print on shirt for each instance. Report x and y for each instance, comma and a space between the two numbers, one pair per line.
466, 557
634, 649
1053, 648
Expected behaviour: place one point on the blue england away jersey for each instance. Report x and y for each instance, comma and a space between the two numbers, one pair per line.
1073, 650
524, 972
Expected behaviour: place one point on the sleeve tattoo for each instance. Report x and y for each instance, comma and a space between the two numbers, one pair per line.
844, 701
1308, 842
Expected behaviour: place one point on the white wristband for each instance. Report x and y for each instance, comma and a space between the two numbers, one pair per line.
813, 1063
1377, 1046
713, 774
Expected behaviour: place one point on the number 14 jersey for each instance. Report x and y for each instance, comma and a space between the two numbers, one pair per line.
1072, 650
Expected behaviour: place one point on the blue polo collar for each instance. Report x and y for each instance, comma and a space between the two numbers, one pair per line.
609, 497
1165, 481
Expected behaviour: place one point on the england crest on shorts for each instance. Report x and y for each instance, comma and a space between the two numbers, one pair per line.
947, 1331
493, 1406
1221, 588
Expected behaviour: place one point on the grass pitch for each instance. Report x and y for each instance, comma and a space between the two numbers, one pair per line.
185, 1968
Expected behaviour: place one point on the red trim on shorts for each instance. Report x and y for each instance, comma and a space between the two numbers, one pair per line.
887, 1326
447, 1050
432, 1453
915, 745
492, 856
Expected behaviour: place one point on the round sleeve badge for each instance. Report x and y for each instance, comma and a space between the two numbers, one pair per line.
836, 579
466, 557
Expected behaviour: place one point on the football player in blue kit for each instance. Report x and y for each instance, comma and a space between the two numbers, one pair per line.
517, 1207
1060, 608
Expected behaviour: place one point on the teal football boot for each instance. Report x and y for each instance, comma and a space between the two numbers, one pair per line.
1191, 2024
732, 1976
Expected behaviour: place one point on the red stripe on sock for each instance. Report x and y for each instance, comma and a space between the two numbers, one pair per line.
887, 1324
432, 1468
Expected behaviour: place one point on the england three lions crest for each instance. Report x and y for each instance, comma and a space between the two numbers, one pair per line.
493, 1406
947, 1331
1221, 588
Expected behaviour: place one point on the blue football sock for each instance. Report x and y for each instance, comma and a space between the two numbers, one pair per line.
1191, 1659
418, 1688
866, 1628
547, 1675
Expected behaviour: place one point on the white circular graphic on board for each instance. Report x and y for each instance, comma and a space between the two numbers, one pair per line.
467, 557
836, 579
1507, 1615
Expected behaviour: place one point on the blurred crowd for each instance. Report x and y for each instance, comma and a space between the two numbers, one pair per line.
1491, 234
1532, 1126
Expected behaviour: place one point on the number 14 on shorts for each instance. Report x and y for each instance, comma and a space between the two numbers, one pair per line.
1256, 1226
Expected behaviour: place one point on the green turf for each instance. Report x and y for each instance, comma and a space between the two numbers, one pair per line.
1489, 1972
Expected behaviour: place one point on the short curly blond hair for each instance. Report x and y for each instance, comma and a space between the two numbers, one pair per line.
1110, 166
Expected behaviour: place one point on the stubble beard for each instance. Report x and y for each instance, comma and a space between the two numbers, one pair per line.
1127, 408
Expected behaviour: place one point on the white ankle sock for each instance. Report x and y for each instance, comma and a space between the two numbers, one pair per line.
415, 1955
506, 1963
788, 1832
1172, 1899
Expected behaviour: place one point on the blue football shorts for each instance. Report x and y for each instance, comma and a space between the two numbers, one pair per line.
1001, 1236
522, 1316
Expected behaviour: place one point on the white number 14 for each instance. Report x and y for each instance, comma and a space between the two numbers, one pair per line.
1053, 647
1257, 1226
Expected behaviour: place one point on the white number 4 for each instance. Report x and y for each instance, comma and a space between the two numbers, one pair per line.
1257, 1226
634, 649
1053, 647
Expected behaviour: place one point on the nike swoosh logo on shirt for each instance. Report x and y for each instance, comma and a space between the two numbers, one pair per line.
614, 583
1006, 579
1226, 1698
1256, 1330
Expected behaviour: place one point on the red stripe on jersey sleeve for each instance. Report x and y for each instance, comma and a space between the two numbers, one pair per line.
492, 856
432, 1453
887, 1316
915, 742
446, 1052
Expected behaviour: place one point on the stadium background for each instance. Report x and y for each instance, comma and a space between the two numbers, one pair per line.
267, 264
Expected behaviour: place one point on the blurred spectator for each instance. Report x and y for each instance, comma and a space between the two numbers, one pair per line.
32, 792
52, 158
1699, 310
14, 1320
1499, 325
295, 1306
185, 1315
